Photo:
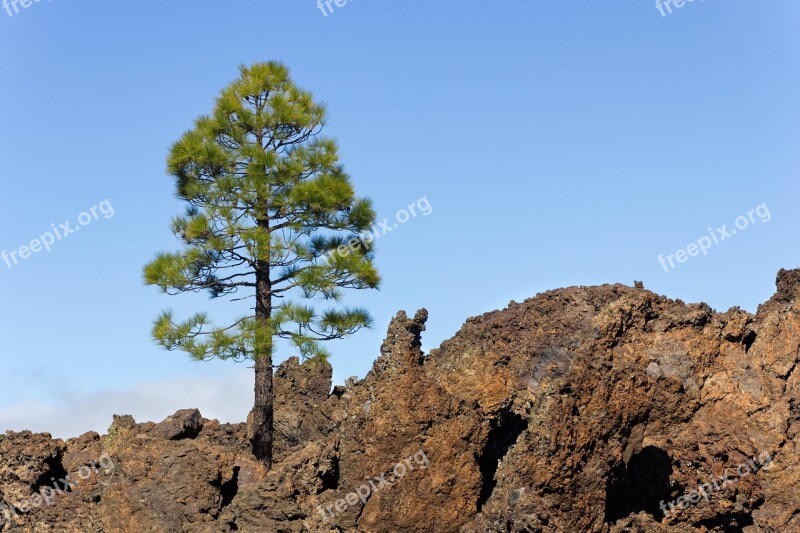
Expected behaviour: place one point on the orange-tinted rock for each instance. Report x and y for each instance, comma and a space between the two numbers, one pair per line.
582, 409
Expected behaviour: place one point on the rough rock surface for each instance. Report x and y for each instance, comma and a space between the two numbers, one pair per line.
582, 409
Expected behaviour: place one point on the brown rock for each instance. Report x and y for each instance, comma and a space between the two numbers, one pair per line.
582, 409
300, 389
185, 424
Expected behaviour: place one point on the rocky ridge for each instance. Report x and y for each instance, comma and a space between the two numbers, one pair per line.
582, 409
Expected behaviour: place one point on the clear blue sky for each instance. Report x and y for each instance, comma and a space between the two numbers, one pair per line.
559, 143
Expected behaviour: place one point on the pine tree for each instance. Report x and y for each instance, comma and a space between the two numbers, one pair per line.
270, 211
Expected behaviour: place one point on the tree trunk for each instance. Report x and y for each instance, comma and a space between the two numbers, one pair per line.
262, 408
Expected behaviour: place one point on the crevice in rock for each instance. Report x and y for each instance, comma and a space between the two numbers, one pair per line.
748, 340
330, 478
229, 489
794, 410
791, 518
789, 373
640, 485
727, 523
361, 510
503, 433
53, 475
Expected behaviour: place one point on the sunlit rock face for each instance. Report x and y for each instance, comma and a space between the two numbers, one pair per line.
583, 409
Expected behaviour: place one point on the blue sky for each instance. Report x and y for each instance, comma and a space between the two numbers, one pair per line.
558, 143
